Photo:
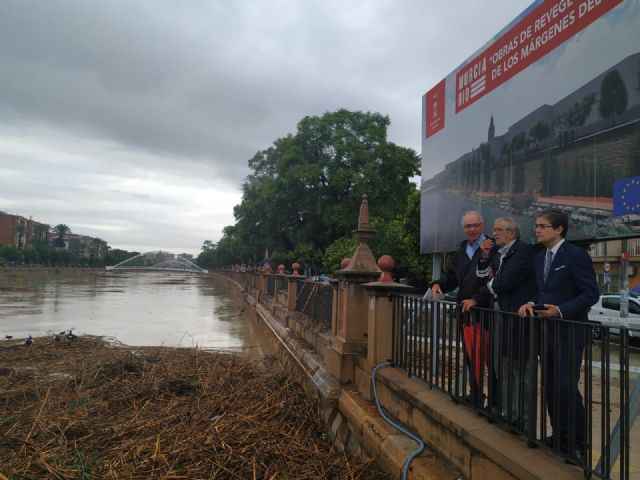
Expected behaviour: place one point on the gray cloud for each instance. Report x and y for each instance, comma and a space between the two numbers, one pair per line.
188, 91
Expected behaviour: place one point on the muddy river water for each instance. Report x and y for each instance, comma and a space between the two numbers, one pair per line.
136, 308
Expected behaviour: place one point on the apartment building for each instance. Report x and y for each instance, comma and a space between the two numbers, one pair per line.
19, 232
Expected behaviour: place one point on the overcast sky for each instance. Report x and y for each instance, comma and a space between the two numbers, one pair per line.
133, 120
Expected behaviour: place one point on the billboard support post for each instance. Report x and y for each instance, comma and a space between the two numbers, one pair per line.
624, 285
437, 265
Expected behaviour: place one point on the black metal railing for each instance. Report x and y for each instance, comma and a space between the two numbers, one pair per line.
315, 300
545, 379
283, 283
271, 287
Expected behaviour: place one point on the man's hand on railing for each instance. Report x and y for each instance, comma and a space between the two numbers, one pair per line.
550, 311
468, 304
526, 310
545, 311
435, 290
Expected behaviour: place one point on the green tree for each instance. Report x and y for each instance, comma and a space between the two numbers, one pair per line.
613, 96
305, 190
577, 115
343, 247
398, 237
116, 255
207, 245
540, 131
95, 248
21, 228
61, 230
40, 231
518, 141
10, 253
31, 254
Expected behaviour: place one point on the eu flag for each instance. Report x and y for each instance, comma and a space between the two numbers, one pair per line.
626, 196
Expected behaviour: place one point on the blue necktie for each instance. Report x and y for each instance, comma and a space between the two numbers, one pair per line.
547, 264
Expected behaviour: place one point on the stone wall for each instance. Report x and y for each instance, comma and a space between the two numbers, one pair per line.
460, 444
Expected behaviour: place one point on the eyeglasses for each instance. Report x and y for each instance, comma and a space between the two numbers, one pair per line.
542, 226
472, 225
498, 229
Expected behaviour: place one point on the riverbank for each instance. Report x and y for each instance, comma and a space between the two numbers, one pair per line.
82, 408
48, 268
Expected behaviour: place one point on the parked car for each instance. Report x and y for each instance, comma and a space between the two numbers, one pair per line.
607, 312
322, 278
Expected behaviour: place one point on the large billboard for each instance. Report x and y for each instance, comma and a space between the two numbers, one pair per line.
545, 115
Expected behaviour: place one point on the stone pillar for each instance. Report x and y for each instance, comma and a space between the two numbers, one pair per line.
292, 293
265, 271
379, 323
351, 303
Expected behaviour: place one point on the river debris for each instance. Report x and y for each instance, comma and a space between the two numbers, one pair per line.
84, 409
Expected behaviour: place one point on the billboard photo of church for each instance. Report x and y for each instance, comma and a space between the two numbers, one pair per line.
546, 115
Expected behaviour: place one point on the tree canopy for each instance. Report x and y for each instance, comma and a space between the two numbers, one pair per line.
613, 96
303, 193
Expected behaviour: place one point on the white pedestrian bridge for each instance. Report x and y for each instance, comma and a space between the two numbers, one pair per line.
158, 261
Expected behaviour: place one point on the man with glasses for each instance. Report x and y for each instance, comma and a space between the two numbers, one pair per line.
510, 281
566, 287
461, 274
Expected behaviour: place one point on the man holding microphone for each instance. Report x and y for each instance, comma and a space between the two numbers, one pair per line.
461, 274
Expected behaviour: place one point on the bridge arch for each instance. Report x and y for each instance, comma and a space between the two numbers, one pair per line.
158, 261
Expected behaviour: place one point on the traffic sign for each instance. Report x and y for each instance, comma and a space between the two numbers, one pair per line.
607, 267
607, 277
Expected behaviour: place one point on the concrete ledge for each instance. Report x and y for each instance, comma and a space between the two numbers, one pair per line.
480, 450
390, 447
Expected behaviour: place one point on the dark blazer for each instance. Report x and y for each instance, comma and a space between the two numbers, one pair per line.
462, 274
514, 282
571, 285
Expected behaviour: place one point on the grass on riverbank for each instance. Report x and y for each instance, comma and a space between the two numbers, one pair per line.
84, 409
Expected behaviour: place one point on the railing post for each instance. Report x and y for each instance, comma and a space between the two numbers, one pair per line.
379, 324
292, 293
351, 303
532, 418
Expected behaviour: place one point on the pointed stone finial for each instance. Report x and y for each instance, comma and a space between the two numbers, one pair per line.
363, 259
363, 219
266, 264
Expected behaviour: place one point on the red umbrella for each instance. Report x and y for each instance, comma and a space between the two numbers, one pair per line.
476, 344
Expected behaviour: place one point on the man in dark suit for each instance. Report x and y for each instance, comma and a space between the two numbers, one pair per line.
508, 271
566, 288
461, 274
